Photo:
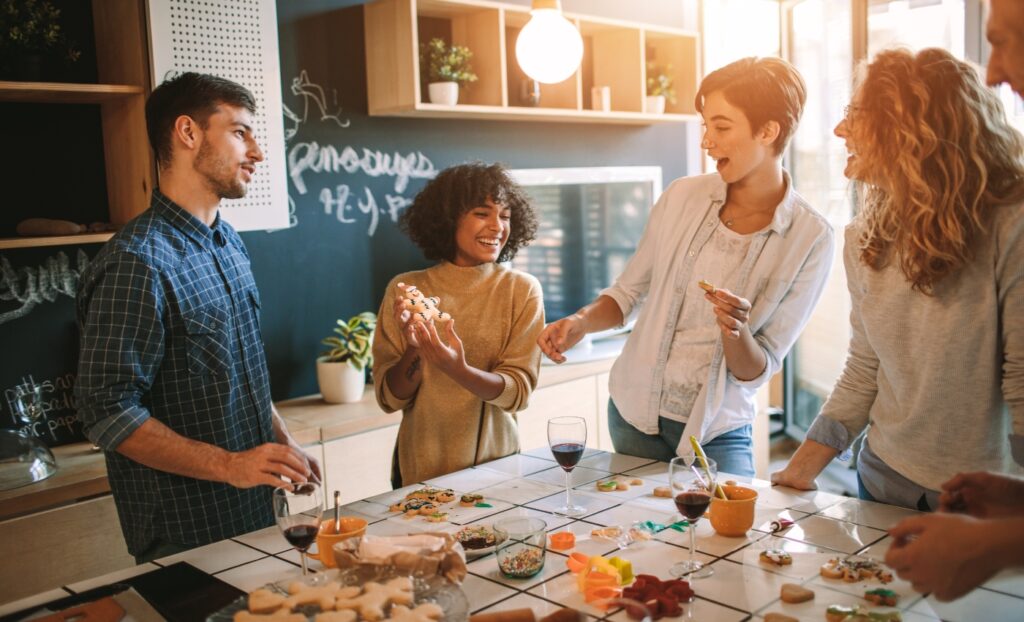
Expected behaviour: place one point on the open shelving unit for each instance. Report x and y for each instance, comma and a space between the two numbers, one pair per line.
615, 54
123, 70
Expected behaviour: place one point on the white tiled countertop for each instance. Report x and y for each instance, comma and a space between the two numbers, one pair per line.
742, 587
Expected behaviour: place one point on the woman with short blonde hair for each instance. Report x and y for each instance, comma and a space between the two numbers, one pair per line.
934, 266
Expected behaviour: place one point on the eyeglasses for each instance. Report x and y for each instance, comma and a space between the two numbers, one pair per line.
848, 111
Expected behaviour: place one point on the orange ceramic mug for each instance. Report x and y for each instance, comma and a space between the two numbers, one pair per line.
735, 516
328, 536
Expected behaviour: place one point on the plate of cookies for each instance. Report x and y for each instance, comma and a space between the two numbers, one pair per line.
476, 540
351, 595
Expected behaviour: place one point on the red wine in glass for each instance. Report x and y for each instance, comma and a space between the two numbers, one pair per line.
567, 454
693, 504
301, 536
567, 436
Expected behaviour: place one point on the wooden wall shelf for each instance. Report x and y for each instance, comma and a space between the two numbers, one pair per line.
65, 93
54, 240
123, 70
615, 54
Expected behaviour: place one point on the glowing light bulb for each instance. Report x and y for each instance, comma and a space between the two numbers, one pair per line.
549, 47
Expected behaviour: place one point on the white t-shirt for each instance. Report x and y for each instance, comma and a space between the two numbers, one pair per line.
696, 334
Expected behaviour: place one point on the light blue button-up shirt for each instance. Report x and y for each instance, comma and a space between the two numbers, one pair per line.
783, 275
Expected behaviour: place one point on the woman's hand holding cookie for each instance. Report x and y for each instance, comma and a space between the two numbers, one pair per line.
404, 322
731, 311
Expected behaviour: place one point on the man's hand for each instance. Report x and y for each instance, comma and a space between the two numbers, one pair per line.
786, 477
559, 336
984, 495
944, 554
271, 464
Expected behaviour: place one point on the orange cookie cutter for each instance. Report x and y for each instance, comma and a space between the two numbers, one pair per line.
562, 540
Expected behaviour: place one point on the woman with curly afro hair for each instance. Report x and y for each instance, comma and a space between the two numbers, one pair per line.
459, 392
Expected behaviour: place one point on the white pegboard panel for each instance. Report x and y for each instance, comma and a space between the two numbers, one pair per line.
237, 40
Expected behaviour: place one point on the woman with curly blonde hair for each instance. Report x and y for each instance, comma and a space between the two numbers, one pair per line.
935, 267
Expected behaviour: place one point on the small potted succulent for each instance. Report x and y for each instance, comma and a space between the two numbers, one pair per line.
30, 32
659, 88
341, 371
447, 69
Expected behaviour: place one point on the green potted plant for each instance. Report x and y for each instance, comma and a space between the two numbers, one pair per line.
447, 68
341, 370
660, 87
29, 31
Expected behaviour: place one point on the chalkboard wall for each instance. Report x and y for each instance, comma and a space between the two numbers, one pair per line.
349, 177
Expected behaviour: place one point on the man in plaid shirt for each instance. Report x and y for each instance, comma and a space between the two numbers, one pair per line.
172, 378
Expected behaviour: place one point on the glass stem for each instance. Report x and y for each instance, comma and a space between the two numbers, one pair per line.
305, 571
693, 527
568, 490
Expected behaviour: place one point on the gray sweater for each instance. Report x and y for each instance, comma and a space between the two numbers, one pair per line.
939, 379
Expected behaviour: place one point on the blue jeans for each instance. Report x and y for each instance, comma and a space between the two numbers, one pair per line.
733, 451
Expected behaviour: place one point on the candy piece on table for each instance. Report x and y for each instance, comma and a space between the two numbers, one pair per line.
625, 568
562, 540
781, 524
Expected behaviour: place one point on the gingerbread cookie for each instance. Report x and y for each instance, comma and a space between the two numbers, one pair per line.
265, 601
302, 594
607, 486
882, 596
376, 596
336, 616
436, 495
793, 593
852, 570
425, 612
470, 499
663, 491
776, 556
778, 617
438, 517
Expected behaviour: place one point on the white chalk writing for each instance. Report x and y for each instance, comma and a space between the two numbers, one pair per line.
58, 395
338, 204
31, 286
312, 157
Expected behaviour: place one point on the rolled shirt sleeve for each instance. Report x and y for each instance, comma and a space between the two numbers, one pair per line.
777, 336
122, 344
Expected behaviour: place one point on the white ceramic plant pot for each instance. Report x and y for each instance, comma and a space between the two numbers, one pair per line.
655, 104
444, 93
340, 383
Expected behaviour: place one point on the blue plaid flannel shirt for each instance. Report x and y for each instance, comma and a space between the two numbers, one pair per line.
168, 313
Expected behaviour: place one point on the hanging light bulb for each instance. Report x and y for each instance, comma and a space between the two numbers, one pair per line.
549, 47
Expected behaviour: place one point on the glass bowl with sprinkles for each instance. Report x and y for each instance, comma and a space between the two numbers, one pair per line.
522, 546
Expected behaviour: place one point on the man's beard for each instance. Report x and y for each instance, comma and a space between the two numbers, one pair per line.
218, 174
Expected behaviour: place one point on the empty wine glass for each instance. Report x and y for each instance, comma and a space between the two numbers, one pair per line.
298, 509
693, 484
28, 402
567, 436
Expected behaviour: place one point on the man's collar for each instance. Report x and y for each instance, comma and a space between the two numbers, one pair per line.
209, 237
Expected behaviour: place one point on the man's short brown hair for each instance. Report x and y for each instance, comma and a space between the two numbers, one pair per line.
765, 89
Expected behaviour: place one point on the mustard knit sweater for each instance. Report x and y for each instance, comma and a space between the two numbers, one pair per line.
498, 315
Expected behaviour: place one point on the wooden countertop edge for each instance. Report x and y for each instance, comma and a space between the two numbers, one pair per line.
82, 472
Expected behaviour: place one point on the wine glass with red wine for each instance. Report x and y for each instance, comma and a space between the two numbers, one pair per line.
567, 436
298, 509
693, 483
